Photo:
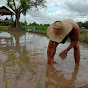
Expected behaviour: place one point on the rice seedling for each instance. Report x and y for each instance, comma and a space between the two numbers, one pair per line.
32, 70
39, 63
6, 84
4, 67
39, 81
34, 65
26, 57
11, 57
0, 61
15, 72
20, 64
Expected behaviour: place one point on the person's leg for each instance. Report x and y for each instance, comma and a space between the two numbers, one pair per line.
77, 54
51, 51
54, 49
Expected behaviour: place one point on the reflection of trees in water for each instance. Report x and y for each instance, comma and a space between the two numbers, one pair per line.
10, 44
57, 80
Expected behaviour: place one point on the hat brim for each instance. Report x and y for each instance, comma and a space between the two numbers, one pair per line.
58, 38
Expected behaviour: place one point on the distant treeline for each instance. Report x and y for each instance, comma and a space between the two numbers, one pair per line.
81, 24
23, 24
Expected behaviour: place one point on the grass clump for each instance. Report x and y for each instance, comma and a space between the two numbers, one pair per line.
83, 37
4, 67
6, 84
39, 81
26, 57
12, 57
32, 70
20, 65
0, 61
39, 62
15, 72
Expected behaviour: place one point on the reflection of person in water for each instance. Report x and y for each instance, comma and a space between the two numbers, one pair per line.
56, 80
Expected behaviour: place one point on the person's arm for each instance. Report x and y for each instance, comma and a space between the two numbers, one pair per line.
63, 54
76, 39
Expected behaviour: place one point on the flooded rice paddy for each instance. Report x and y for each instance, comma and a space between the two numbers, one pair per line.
23, 63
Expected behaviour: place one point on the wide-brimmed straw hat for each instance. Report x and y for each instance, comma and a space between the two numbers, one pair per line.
58, 30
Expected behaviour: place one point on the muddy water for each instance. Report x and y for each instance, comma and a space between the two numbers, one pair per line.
23, 63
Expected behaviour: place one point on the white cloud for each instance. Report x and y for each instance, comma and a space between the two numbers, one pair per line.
58, 10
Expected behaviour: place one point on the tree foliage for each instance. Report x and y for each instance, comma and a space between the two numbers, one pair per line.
22, 6
83, 24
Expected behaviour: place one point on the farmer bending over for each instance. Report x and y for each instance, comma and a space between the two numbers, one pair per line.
59, 32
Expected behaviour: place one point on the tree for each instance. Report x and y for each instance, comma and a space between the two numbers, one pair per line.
80, 24
85, 24
22, 6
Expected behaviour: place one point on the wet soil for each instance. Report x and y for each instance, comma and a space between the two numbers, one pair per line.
23, 63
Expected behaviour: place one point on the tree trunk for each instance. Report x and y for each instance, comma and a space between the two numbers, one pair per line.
17, 15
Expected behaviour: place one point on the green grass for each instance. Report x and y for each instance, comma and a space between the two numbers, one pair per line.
20, 65
4, 66
84, 37
4, 28
6, 84
26, 57
11, 57
15, 72
32, 70
0, 61
39, 81
41, 29
39, 62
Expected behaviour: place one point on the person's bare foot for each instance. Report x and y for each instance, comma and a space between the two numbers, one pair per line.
53, 62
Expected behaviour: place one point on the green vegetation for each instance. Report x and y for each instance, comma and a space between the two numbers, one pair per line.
20, 65
12, 57
23, 7
83, 24
4, 28
26, 57
0, 61
4, 66
84, 37
15, 72
14, 69
39, 63
39, 81
32, 70
42, 28
6, 84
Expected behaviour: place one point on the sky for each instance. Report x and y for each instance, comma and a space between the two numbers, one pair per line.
76, 10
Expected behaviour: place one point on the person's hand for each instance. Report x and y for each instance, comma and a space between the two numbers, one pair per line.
63, 54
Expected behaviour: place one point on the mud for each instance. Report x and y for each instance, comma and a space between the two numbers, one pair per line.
23, 63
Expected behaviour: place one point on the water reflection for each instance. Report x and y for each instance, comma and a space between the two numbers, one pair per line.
55, 78
10, 41
35, 47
